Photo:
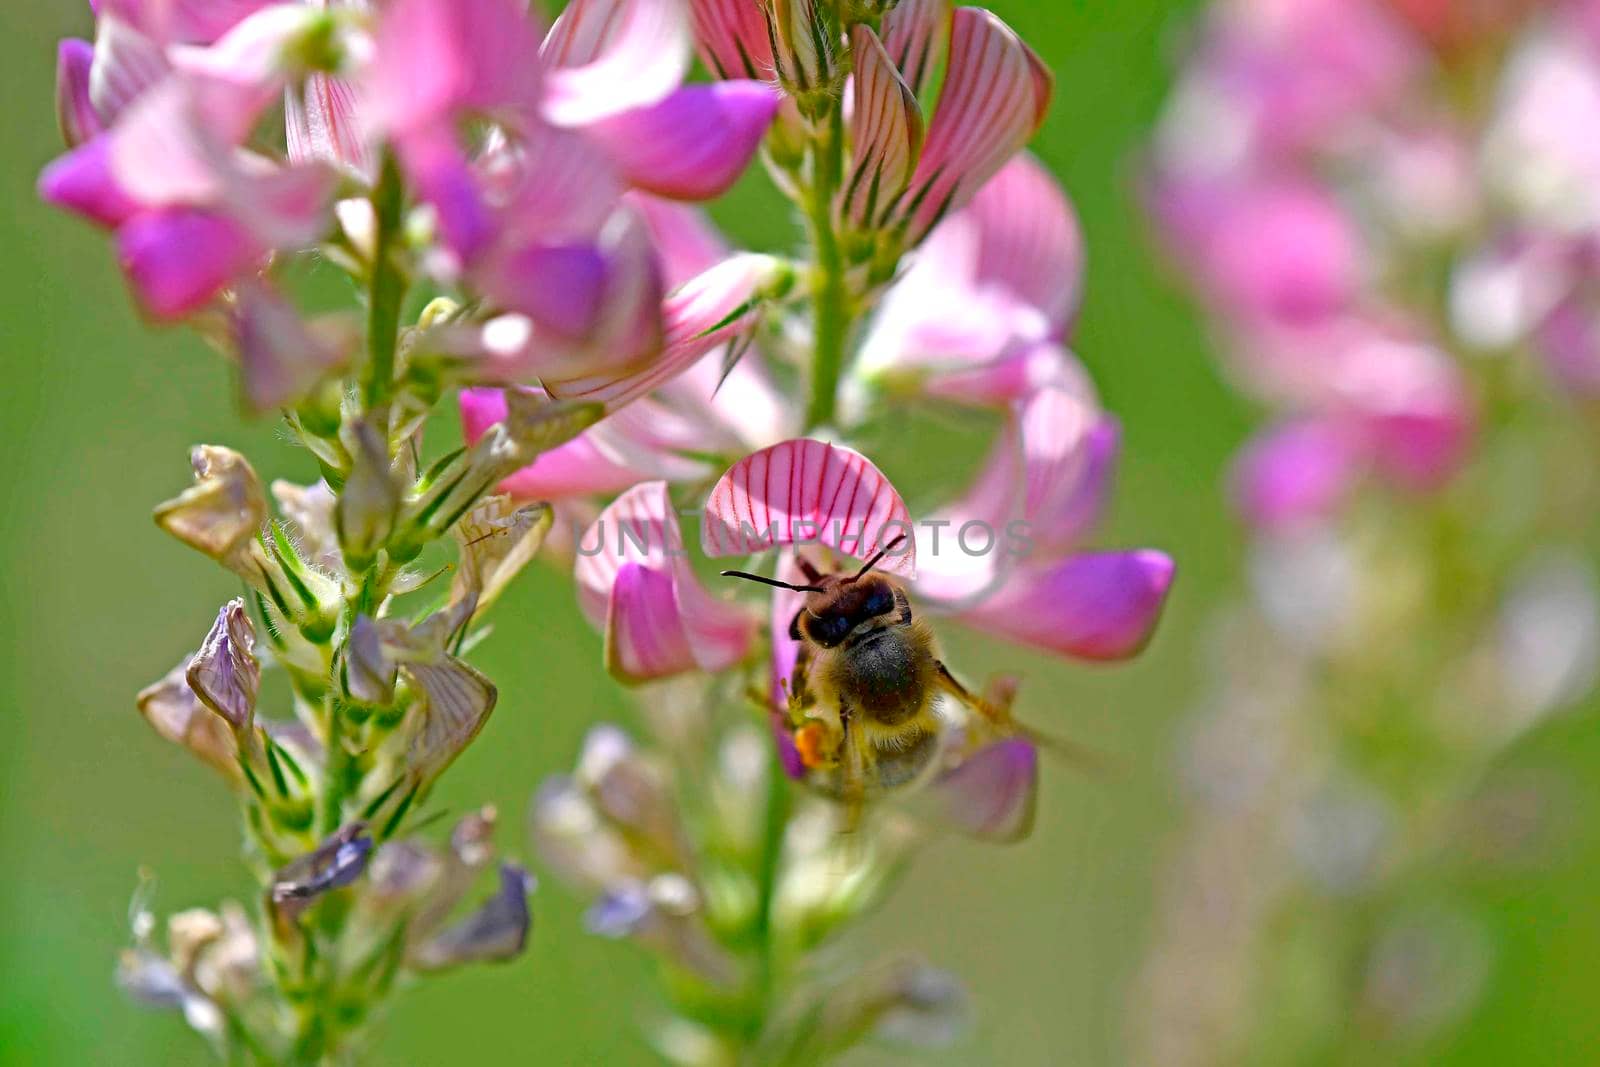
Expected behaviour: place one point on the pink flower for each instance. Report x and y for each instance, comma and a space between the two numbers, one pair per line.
987, 296
534, 220
1008, 557
166, 162
635, 583
1297, 473
658, 436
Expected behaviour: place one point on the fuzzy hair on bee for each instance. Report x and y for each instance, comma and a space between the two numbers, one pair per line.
865, 695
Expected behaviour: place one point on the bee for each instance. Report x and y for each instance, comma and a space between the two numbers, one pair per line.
865, 693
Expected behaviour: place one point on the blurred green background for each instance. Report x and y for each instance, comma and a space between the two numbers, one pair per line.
96, 415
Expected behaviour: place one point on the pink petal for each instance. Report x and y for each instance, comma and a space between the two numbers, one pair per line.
994, 99
637, 444
1569, 342
1029, 242
685, 238
732, 38
82, 181
127, 63
185, 21
553, 183
75, 113
178, 260
741, 406
634, 577
597, 306
1005, 272
242, 74
806, 491
991, 794
1413, 403
611, 56
1296, 473
439, 59
915, 34
885, 132
577, 468
281, 356
323, 124
443, 178
645, 639
695, 143
1042, 483
709, 311
1021, 371
1096, 606
164, 155
1286, 251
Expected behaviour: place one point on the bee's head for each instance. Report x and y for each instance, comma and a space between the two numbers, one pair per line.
836, 604
842, 604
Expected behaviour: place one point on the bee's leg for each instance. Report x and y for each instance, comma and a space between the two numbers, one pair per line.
798, 685
852, 769
995, 707
995, 703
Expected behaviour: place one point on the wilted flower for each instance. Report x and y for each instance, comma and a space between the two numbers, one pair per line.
225, 673
334, 864
222, 512
176, 713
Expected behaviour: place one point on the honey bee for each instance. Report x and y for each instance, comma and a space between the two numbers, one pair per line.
864, 695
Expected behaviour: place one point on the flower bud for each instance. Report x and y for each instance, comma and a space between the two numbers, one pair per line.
225, 673
664, 916
334, 864
454, 698
574, 841
305, 597
175, 713
631, 792
533, 425
309, 508
805, 49
368, 674
220, 514
365, 512
497, 931
904, 1001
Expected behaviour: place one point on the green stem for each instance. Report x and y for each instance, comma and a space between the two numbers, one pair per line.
768, 951
387, 287
830, 298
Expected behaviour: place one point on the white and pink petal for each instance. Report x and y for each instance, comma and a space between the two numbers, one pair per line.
693, 144
991, 794
806, 491
610, 56
636, 583
1094, 605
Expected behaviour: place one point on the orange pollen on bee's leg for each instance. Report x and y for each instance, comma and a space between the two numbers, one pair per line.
811, 741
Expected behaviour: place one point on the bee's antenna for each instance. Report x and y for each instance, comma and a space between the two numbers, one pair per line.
875, 560
773, 582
